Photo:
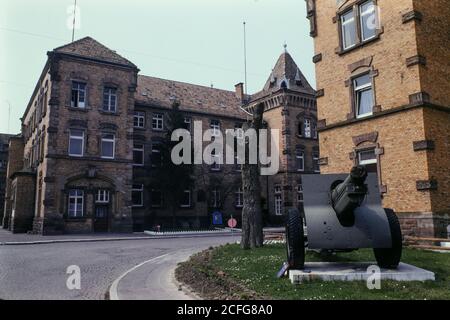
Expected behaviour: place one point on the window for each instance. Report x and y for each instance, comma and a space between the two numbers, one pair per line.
308, 131
215, 127
368, 20
156, 158
102, 196
356, 31
278, 201
76, 143
348, 30
137, 195
215, 161
187, 123
314, 129
316, 165
78, 95
239, 132
108, 146
158, 121
368, 158
76, 203
300, 160
300, 128
215, 201
363, 96
110, 99
300, 194
138, 154
186, 199
239, 198
139, 119
156, 199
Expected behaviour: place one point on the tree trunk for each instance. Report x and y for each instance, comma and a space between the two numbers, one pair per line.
252, 228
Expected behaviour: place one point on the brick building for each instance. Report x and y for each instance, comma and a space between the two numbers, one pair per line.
383, 71
90, 142
4, 145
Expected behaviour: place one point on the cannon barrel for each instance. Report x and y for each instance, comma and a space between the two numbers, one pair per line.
349, 194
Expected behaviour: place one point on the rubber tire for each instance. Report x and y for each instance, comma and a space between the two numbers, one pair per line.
389, 258
295, 240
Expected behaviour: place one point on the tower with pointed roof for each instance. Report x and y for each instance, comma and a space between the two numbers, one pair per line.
290, 106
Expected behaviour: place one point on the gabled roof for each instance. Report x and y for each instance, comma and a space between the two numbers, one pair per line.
194, 98
91, 48
285, 74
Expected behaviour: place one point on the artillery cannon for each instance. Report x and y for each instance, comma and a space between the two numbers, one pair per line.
343, 213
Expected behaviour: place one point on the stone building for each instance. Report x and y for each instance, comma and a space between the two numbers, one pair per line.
4, 145
383, 71
91, 137
290, 106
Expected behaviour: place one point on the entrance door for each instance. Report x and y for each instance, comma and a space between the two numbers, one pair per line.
101, 218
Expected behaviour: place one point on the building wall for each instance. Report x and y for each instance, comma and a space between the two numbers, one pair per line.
433, 34
410, 66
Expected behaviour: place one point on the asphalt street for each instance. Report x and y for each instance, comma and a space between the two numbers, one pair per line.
40, 271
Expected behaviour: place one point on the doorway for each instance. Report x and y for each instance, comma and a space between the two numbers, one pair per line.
101, 218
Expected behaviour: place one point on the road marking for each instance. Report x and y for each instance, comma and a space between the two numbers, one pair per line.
113, 294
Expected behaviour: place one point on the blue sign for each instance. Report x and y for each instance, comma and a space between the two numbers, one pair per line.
217, 218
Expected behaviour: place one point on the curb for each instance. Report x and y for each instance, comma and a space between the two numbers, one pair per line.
24, 243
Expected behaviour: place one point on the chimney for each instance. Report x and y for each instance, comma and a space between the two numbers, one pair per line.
239, 91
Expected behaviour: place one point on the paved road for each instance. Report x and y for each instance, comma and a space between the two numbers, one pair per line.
39, 271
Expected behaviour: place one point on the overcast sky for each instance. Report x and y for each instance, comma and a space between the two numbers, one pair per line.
195, 41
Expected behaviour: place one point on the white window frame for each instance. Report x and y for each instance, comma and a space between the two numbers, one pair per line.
139, 150
215, 166
106, 140
356, 90
344, 24
239, 198
74, 137
369, 161
278, 199
188, 123
215, 127
138, 188
154, 151
138, 118
300, 155
371, 9
102, 196
76, 85
187, 205
316, 158
158, 121
110, 92
79, 195
307, 127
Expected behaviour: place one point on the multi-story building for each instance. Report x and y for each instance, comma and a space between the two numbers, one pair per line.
91, 141
289, 106
4, 145
383, 88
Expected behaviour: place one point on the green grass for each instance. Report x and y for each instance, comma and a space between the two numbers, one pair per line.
257, 270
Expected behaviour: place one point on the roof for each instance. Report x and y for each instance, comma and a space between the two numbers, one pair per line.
91, 48
195, 98
285, 73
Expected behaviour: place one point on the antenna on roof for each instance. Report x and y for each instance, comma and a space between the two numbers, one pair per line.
9, 116
245, 56
74, 20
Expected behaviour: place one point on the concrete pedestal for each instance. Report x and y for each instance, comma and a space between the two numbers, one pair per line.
337, 271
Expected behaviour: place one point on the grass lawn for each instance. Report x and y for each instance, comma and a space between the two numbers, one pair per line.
256, 269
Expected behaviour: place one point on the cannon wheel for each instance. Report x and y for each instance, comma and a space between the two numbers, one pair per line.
389, 258
295, 240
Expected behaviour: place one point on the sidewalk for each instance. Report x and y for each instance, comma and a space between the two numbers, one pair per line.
8, 238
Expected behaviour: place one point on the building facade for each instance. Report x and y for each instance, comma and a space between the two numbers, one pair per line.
383, 91
4, 146
91, 141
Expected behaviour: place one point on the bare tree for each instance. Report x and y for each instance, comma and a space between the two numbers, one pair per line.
252, 228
